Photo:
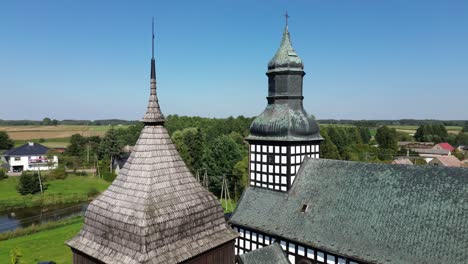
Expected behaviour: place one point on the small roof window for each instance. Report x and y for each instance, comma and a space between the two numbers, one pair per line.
304, 208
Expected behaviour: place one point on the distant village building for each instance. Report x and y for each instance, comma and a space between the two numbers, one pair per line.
415, 145
155, 211
30, 157
429, 154
446, 161
445, 146
402, 161
339, 212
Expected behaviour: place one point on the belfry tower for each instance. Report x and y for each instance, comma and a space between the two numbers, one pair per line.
284, 133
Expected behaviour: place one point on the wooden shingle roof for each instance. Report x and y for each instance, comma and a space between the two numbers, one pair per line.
155, 211
376, 213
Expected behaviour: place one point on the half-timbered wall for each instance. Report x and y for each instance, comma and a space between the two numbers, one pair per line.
275, 166
250, 240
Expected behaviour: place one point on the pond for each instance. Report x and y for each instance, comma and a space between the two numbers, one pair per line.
20, 218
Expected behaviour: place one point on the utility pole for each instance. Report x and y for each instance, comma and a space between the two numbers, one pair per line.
39, 176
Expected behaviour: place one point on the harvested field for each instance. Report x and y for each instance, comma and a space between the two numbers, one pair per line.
48, 132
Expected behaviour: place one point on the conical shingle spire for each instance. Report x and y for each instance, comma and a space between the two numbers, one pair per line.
153, 114
155, 211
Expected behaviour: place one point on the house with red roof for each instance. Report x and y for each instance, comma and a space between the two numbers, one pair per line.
445, 146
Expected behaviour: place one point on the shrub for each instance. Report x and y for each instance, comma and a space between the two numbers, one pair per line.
57, 174
108, 176
3, 174
93, 191
29, 183
15, 256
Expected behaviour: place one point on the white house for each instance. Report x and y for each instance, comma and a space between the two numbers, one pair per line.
30, 157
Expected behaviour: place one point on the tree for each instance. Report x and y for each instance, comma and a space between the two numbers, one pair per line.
46, 121
3, 175
29, 183
465, 128
55, 122
223, 155
387, 138
5, 141
365, 134
76, 147
462, 139
328, 149
240, 174
431, 133
111, 146
190, 143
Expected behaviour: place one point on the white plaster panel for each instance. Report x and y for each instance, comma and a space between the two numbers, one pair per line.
283, 169
320, 256
283, 244
292, 248
301, 251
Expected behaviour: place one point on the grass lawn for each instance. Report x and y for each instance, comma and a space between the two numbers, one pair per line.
44, 245
72, 189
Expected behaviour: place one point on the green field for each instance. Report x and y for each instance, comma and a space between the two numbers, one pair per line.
71, 190
44, 245
50, 142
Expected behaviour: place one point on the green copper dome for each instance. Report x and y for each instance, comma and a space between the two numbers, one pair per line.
284, 118
286, 56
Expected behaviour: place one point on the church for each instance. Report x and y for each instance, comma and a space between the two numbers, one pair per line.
297, 209
338, 212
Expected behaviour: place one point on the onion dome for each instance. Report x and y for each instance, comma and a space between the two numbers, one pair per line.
284, 118
286, 56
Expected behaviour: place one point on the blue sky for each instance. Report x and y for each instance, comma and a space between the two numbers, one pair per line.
364, 59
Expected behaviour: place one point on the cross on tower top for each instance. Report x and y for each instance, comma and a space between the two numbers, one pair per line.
287, 17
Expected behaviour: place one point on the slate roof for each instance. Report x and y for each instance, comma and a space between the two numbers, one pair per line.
155, 211
266, 255
28, 150
378, 213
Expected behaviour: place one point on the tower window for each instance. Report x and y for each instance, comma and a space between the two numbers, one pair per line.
304, 208
271, 159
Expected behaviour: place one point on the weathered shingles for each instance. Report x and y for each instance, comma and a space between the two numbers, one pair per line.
376, 212
154, 212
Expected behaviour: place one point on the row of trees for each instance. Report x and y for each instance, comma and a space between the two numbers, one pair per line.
438, 133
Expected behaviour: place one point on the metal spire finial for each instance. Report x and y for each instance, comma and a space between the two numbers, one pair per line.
152, 47
287, 17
